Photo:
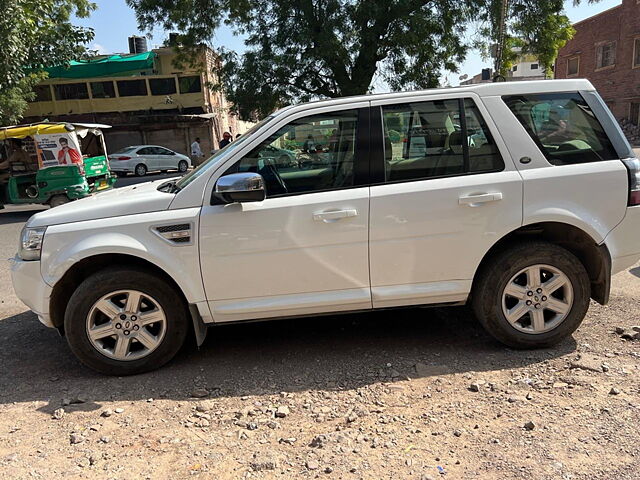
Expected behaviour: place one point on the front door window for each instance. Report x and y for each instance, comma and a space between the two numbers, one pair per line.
311, 154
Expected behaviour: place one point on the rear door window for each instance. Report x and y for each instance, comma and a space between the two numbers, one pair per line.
437, 138
563, 126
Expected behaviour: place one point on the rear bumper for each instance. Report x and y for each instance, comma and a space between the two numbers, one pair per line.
623, 241
101, 182
77, 191
31, 288
126, 166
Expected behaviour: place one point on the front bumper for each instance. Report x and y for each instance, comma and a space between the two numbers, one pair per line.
31, 288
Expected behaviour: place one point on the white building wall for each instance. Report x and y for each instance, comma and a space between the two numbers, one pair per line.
524, 69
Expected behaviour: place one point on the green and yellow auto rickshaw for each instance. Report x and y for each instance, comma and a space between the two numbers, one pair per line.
53, 163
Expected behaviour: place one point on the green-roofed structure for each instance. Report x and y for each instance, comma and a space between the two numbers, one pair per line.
106, 66
144, 95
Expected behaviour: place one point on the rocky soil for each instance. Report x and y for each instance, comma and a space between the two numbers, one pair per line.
410, 394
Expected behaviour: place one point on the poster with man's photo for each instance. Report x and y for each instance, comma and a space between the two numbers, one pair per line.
58, 149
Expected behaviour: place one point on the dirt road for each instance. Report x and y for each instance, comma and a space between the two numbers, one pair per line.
410, 394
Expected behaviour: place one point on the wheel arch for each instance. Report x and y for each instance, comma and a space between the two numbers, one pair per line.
594, 257
69, 282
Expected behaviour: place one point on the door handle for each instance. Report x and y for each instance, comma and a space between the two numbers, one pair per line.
334, 215
477, 200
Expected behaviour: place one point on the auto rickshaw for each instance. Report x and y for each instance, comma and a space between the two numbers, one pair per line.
53, 162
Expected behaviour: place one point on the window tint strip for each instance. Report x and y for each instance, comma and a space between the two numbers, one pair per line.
465, 136
362, 148
377, 152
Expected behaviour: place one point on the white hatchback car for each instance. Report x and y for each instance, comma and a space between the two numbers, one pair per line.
141, 159
526, 225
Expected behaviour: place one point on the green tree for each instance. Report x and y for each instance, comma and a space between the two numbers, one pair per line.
36, 34
303, 49
538, 27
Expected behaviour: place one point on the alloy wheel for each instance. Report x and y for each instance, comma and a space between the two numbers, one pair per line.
126, 325
537, 299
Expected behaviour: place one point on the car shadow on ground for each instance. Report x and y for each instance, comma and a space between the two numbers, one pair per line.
313, 353
635, 271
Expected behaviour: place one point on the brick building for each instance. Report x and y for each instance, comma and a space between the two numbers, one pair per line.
606, 50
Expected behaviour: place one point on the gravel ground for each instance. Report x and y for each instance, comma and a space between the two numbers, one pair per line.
409, 394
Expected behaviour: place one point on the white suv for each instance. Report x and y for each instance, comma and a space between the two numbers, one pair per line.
521, 199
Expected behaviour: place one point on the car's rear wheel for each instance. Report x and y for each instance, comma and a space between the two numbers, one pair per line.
183, 166
124, 321
58, 200
532, 295
141, 170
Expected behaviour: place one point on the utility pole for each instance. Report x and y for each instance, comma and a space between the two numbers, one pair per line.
502, 29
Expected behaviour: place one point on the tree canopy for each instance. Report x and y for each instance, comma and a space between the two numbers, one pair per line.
36, 34
538, 27
303, 49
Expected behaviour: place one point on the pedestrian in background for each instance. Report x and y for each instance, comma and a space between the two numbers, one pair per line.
196, 153
226, 139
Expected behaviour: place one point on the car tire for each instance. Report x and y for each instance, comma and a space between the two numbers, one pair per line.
58, 200
114, 287
506, 284
141, 170
183, 166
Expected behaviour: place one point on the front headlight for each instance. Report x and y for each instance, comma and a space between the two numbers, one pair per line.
31, 243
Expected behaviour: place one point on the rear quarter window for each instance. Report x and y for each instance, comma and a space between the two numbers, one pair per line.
563, 126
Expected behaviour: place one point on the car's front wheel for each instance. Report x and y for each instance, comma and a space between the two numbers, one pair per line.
183, 166
532, 295
123, 321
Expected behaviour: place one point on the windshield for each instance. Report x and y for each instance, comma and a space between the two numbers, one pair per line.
125, 150
221, 154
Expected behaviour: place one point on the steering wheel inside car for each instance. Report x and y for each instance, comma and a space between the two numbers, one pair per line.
273, 180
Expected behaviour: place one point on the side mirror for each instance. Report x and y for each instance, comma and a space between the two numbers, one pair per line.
240, 187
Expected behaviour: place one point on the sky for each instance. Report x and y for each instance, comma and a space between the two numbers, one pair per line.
114, 21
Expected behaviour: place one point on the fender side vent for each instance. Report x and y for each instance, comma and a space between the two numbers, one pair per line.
180, 233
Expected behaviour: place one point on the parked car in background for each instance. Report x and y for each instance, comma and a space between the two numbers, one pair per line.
527, 228
281, 156
142, 159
